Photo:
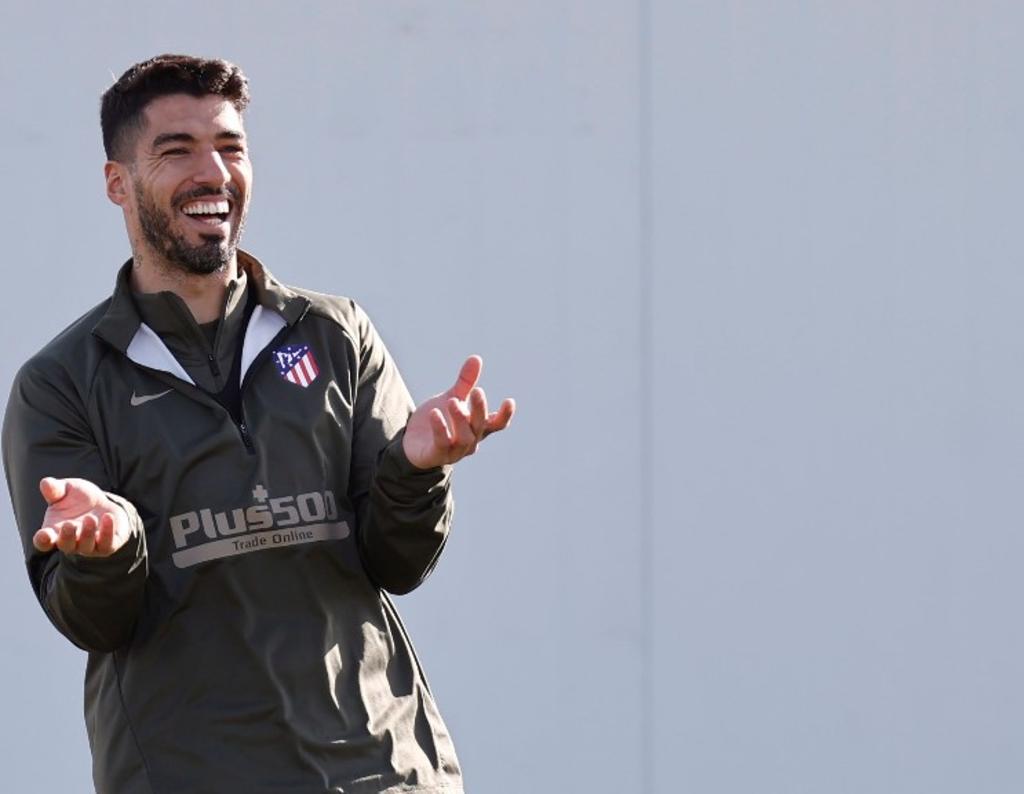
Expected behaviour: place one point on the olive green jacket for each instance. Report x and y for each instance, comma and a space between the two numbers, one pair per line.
241, 640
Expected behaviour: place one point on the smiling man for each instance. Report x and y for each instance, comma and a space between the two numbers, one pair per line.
218, 478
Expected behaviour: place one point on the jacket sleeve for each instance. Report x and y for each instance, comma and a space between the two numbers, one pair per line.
93, 601
403, 513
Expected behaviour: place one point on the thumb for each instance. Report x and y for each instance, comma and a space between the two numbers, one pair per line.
468, 376
52, 489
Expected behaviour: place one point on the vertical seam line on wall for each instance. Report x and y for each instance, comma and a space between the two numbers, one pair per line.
646, 396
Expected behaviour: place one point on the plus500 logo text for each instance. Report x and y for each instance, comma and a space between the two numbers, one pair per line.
274, 513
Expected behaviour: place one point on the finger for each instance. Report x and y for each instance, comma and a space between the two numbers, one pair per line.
442, 436
500, 419
45, 539
66, 541
87, 534
468, 376
52, 489
105, 535
458, 421
477, 411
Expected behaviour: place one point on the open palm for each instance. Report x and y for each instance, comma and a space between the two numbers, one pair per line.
80, 519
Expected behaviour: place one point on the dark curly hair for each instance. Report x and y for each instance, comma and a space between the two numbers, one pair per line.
122, 105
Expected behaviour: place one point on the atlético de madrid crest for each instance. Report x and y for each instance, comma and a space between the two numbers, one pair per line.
296, 364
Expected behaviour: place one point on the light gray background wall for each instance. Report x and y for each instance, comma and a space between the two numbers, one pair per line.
752, 271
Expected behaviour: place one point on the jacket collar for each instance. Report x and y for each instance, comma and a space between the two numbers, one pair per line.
121, 323
270, 292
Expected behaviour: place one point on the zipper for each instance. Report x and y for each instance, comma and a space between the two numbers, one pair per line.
243, 429
214, 369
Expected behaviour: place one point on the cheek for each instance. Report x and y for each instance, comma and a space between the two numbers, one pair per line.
241, 175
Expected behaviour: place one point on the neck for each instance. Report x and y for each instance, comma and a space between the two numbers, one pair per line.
204, 295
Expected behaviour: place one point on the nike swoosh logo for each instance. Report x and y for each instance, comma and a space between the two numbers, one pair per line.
138, 400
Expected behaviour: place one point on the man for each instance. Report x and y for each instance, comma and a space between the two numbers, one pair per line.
216, 477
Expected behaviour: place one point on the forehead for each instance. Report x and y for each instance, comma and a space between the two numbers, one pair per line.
197, 116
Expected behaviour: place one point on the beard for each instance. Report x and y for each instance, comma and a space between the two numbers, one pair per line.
209, 256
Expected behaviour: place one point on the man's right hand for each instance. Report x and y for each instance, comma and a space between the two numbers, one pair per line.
81, 519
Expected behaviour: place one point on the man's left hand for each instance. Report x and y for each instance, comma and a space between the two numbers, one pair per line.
449, 426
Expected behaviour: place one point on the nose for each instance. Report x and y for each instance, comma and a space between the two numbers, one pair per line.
210, 170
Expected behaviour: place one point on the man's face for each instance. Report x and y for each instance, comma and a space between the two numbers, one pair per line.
190, 182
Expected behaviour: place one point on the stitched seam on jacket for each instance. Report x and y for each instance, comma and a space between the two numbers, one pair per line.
128, 720
315, 311
88, 405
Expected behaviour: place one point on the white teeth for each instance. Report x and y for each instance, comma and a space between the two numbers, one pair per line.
206, 208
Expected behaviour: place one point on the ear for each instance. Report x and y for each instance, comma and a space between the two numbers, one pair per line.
116, 175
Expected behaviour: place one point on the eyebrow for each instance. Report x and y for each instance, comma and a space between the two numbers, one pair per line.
184, 137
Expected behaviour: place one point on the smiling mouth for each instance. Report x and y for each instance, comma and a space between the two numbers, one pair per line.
209, 212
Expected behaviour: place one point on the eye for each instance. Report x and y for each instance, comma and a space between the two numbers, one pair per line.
233, 148
172, 152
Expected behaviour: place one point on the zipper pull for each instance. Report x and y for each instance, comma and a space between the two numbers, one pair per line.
213, 365
246, 438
